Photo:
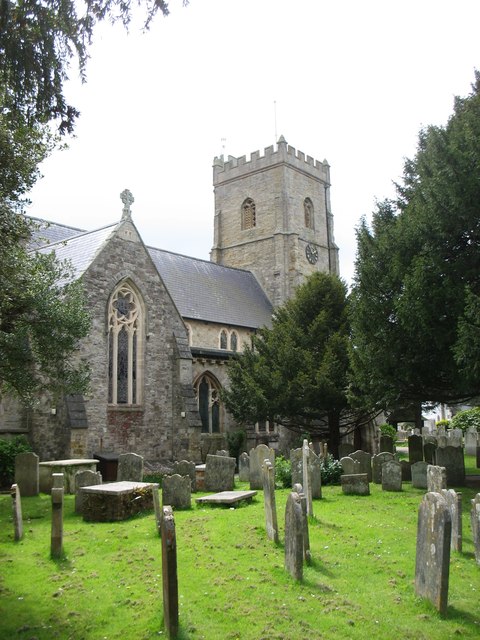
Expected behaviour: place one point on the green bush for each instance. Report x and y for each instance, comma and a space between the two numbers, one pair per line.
465, 419
154, 477
283, 473
8, 451
389, 430
331, 470
235, 440
443, 423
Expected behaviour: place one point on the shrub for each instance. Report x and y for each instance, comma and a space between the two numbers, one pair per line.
389, 430
283, 473
443, 423
8, 451
235, 440
331, 470
465, 419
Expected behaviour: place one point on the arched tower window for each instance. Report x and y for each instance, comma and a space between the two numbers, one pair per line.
207, 390
308, 210
233, 341
125, 346
249, 218
223, 339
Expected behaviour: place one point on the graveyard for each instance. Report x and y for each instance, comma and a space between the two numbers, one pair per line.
232, 580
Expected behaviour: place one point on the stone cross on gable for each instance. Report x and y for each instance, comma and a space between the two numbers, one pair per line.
127, 199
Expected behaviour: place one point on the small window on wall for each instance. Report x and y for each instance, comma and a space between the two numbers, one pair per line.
223, 339
249, 217
233, 341
308, 211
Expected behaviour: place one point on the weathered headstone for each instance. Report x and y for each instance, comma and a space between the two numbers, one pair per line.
17, 513
365, 460
85, 478
26, 473
475, 522
169, 572
186, 468
436, 478
392, 476
433, 550
452, 458
307, 477
294, 536
454, 503
345, 449
157, 510
377, 462
244, 467
471, 437
176, 491
58, 481
415, 448
429, 451
387, 444
455, 438
349, 465
316, 476
130, 467
222, 452
419, 475
406, 470
56, 546
257, 456
297, 488
315, 466
271, 523
355, 484
442, 440
219, 473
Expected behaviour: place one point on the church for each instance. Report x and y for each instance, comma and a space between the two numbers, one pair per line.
164, 325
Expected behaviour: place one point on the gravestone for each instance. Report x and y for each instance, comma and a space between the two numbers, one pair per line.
415, 448
85, 478
244, 467
429, 452
294, 536
296, 459
442, 440
475, 523
56, 546
471, 436
219, 473
176, 491
169, 572
433, 550
392, 476
130, 467
436, 478
58, 481
271, 523
157, 510
453, 460
455, 438
17, 513
454, 503
406, 470
222, 452
186, 468
377, 462
257, 456
26, 473
419, 475
307, 476
387, 444
306, 536
355, 484
349, 465
345, 449
365, 460
315, 465
441, 430
316, 476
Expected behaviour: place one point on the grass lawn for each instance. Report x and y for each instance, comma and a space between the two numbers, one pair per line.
232, 583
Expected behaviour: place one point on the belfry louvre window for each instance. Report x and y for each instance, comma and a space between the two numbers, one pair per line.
249, 216
308, 211
125, 346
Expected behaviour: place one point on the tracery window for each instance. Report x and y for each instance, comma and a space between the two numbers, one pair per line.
233, 341
308, 210
207, 391
223, 339
249, 217
125, 346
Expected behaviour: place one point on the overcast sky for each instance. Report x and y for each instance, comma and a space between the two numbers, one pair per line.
353, 83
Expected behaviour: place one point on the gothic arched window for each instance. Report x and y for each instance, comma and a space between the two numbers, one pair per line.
233, 341
125, 346
308, 210
223, 339
207, 391
249, 217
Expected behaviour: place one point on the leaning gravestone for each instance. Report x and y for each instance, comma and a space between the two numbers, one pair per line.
257, 456
56, 546
387, 444
17, 513
355, 484
377, 462
349, 465
475, 522
271, 523
130, 467
186, 468
433, 550
419, 475
169, 572
219, 473
26, 473
454, 503
429, 452
176, 491
391, 476
294, 536
453, 460
86, 478
345, 449
365, 460
436, 478
471, 436
244, 467
415, 448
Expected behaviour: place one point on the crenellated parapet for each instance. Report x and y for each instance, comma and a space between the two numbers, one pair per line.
283, 153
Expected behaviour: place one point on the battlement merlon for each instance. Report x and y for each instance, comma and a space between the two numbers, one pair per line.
232, 168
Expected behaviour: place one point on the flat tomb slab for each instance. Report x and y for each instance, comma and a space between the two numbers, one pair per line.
227, 497
68, 468
117, 500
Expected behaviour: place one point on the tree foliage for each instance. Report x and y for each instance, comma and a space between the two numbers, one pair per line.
417, 276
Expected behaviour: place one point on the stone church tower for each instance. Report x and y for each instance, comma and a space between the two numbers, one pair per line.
273, 217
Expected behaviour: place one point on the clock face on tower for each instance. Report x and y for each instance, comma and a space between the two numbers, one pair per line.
311, 253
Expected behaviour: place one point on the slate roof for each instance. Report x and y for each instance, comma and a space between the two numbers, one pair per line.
201, 290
